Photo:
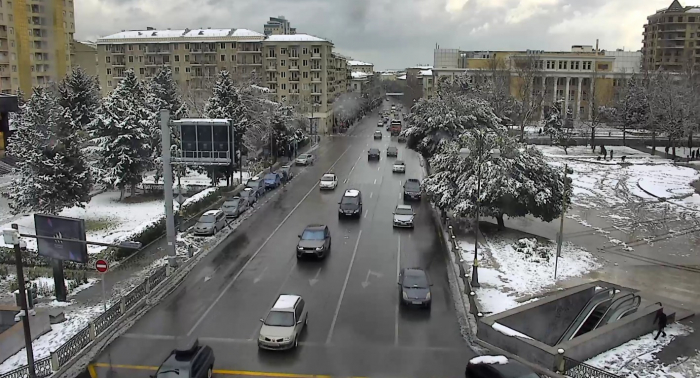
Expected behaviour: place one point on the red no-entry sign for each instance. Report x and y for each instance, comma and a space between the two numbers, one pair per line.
101, 266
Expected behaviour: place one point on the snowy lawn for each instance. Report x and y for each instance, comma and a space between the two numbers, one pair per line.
512, 268
193, 178
45, 286
636, 358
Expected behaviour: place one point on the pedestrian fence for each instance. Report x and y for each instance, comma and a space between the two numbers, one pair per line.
62, 355
576, 369
454, 246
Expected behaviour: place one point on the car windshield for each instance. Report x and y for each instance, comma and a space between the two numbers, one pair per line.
313, 235
398, 163
232, 202
207, 219
403, 211
412, 186
327, 178
280, 319
415, 280
349, 200
392, 149
252, 183
304, 156
172, 373
270, 176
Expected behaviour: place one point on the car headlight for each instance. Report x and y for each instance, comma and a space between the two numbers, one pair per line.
286, 339
340, 210
299, 248
261, 338
427, 296
319, 248
356, 211
405, 296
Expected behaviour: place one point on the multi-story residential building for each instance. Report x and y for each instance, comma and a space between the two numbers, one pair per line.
358, 81
573, 77
359, 66
278, 25
84, 55
671, 38
34, 43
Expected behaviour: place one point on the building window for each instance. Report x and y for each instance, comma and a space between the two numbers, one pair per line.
166, 59
187, 46
575, 65
177, 58
131, 47
233, 58
131, 59
283, 51
187, 69
109, 71
317, 50
680, 18
691, 19
304, 62
233, 45
283, 74
9, 17
222, 45
550, 64
109, 83
187, 58
603, 66
587, 65
305, 50
305, 75
142, 70
12, 30
282, 62
283, 86
141, 59
14, 68
177, 69
223, 58
108, 59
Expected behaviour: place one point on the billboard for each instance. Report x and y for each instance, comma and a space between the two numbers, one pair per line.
205, 141
65, 228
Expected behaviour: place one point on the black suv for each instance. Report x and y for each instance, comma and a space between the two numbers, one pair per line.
373, 154
351, 203
315, 241
411, 190
195, 362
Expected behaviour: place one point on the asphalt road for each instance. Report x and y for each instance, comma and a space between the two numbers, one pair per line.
356, 326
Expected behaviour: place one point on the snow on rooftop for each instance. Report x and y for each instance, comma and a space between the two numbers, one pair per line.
352, 192
146, 34
693, 10
402, 77
426, 73
358, 63
501, 360
294, 38
194, 33
201, 120
208, 33
286, 301
360, 75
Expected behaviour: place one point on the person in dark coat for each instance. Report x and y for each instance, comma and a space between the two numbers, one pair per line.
662, 319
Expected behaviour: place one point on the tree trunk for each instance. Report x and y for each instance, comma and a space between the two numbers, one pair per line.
121, 192
522, 132
624, 134
653, 141
501, 223
593, 138
690, 140
133, 189
673, 143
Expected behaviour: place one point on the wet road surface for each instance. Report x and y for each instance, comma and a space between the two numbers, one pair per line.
356, 326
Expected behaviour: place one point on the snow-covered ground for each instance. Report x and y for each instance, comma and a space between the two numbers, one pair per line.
193, 178
512, 269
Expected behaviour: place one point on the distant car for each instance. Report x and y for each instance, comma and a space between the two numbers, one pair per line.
392, 151
283, 324
380, 123
351, 203
314, 241
399, 167
497, 367
386, 99
373, 154
235, 206
404, 216
195, 362
402, 138
210, 223
257, 185
249, 195
272, 181
411, 190
414, 287
304, 159
393, 107
286, 172
328, 181
377, 134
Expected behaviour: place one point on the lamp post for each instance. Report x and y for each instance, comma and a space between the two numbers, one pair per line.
493, 154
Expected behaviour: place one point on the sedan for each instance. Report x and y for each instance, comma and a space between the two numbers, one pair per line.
392, 151
286, 172
380, 123
377, 134
399, 167
373, 154
414, 287
328, 181
304, 159
249, 196
272, 181
404, 216
257, 185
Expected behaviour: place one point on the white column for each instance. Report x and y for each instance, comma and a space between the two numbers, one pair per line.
544, 90
591, 93
554, 92
566, 97
578, 98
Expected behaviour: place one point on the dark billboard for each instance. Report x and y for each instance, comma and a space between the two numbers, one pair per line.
64, 228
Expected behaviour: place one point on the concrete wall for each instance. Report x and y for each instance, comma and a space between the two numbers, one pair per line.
12, 340
530, 350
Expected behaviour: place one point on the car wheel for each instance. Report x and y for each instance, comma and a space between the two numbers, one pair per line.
209, 371
296, 342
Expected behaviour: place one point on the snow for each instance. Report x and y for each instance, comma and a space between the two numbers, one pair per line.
501, 360
638, 357
294, 38
426, 73
46, 285
144, 34
508, 331
199, 196
358, 63
286, 301
360, 75
402, 77
180, 33
352, 193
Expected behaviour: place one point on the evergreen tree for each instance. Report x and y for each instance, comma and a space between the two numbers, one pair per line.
79, 94
53, 173
226, 103
122, 131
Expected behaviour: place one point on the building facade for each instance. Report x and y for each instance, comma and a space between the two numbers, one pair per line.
84, 55
34, 43
581, 78
359, 66
671, 38
278, 25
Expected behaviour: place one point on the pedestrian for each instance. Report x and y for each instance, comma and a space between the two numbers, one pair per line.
611, 154
667, 147
662, 319
623, 158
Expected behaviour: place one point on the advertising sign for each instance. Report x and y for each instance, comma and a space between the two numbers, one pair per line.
63, 228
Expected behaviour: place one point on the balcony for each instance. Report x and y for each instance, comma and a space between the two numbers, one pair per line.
294, 91
316, 91
203, 63
315, 68
294, 68
249, 51
119, 63
155, 63
117, 51
294, 79
3, 34
157, 51
270, 56
271, 68
294, 57
271, 79
315, 55
316, 79
253, 63
202, 51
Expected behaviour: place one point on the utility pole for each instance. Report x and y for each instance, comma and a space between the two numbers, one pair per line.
561, 224
168, 188
23, 302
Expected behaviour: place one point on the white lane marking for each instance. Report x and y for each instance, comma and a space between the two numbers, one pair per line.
218, 298
396, 315
375, 181
372, 193
366, 212
353, 167
342, 292
379, 167
256, 333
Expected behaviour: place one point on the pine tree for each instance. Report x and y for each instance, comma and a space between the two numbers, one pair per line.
226, 103
53, 173
121, 128
80, 96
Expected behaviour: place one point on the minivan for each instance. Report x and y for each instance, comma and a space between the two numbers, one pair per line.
283, 324
210, 223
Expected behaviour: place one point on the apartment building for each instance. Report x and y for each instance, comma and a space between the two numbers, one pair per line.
84, 55
359, 66
34, 42
672, 38
278, 25
569, 76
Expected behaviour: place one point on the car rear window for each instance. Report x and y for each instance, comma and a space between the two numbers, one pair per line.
327, 178
415, 280
270, 176
280, 319
231, 203
349, 200
373, 151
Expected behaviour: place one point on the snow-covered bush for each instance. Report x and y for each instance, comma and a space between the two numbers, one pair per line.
532, 250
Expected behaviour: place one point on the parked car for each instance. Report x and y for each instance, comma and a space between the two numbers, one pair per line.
210, 223
414, 287
378, 134
314, 241
286, 172
328, 181
304, 159
283, 324
392, 151
272, 180
195, 362
257, 185
235, 206
411, 190
399, 167
373, 154
249, 196
497, 367
404, 216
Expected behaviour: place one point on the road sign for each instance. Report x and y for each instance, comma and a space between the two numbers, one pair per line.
63, 228
101, 266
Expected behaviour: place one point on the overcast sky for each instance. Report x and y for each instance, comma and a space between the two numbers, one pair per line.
395, 33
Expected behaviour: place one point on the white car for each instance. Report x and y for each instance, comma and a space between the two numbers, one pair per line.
283, 324
404, 216
328, 181
399, 167
380, 123
304, 159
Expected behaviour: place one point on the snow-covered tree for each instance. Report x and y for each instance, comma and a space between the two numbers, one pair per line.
226, 103
555, 126
78, 93
53, 173
632, 110
530, 93
122, 130
669, 106
517, 183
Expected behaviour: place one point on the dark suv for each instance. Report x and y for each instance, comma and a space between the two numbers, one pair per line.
411, 190
497, 367
195, 362
351, 203
373, 154
315, 241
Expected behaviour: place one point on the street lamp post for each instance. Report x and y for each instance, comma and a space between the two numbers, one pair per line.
494, 153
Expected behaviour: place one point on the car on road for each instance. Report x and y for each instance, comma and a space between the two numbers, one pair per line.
380, 123
411, 190
272, 180
315, 241
378, 134
211, 222
282, 325
373, 154
399, 167
286, 172
393, 107
249, 196
233, 207
305, 159
414, 287
392, 151
328, 181
195, 362
404, 216
257, 185
497, 367
350, 203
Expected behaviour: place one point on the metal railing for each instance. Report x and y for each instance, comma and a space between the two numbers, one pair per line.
42, 368
577, 369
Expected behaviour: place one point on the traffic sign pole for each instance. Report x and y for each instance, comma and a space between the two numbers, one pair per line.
104, 296
102, 266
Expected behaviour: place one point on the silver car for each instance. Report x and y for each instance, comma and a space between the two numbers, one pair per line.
304, 159
210, 223
249, 195
234, 207
404, 216
283, 324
